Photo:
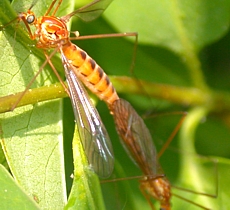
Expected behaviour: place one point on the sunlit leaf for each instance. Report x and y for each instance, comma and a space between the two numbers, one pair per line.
32, 136
12, 196
172, 24
85, 193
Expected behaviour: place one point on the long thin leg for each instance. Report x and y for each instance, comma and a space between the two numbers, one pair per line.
33, 79
51, 6
172, 135
100, 36
56, 73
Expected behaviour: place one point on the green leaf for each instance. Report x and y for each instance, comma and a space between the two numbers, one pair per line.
32, 136
205, 182
85, 193
172, 24
183, 27
12, 196
170, 36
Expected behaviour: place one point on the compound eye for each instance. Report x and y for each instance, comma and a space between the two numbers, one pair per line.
30, 19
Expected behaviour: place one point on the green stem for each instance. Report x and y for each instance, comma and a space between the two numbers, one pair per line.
189, 167
32, 96
216, 102
188, 52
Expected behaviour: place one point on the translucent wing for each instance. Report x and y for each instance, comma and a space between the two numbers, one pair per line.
90, 11
94, 137
135, 136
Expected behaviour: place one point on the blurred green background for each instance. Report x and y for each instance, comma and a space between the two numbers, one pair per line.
180, 44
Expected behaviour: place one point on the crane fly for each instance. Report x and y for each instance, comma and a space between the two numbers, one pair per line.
138, 143
51, 33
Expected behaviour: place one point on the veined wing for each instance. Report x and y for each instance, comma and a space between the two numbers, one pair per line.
94, 137
135, 136
90, 11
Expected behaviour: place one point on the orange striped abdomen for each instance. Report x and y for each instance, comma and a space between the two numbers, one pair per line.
90, 73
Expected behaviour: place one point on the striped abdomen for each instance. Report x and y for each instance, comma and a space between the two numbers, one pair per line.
90, 73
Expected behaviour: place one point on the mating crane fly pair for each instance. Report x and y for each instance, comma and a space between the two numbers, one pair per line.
51, 32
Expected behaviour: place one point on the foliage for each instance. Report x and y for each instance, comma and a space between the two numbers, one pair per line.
182, 63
